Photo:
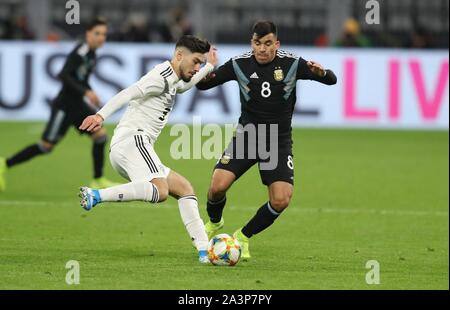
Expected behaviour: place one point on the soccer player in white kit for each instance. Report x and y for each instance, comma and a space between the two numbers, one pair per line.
150, 101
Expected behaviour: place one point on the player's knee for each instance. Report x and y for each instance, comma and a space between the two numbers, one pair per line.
187, 189
163, 192
280, 203
162, 187
100, 137
217, 189
280, 198
46, 147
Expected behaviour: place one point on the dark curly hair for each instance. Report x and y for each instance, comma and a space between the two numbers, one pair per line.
264, 27
194, 44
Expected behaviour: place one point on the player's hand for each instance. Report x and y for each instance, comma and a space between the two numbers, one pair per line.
212, 56
93, 98
92, 123
316, 68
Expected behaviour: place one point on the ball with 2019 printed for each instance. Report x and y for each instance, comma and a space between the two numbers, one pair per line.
224, 250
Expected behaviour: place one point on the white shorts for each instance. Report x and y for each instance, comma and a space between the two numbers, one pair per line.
135, 159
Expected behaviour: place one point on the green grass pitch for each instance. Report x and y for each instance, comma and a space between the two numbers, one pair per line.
359, 195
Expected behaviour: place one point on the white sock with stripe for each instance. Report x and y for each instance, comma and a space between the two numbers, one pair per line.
188, 206
136, 190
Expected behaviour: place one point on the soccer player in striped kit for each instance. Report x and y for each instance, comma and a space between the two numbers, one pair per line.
132, 155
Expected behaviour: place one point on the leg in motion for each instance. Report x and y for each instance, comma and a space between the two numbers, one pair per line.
220, 183
22, 156
280, 194
152, 191
181, 189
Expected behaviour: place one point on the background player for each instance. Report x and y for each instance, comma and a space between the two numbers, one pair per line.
267, 81
70, 108
132, 155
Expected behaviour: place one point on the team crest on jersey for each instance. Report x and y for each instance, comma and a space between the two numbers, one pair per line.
278, 74
225, 159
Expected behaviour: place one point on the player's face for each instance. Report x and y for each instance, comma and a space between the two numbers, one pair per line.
96, 37
190, 65
265, 48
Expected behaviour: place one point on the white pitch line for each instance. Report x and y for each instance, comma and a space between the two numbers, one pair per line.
291, 209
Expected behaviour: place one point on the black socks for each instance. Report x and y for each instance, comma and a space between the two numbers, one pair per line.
26, 154
264, 217
98, 154
215, 209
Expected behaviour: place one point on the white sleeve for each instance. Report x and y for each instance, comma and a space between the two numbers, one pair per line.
149, 84
119, 100
183, 86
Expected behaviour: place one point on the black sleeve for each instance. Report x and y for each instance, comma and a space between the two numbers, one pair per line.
67, 75
304, 73
222, 75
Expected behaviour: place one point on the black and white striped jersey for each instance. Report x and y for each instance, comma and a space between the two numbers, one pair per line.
149, 110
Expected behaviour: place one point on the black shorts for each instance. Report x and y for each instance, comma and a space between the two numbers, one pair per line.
279, 166
62, 119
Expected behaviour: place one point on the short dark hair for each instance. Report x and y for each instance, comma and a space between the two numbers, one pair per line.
194, 44
97, 21
264, 27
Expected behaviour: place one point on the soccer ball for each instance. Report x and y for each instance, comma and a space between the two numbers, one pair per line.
224, 250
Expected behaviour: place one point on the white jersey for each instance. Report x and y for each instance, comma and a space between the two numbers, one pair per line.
150, 112
151, 99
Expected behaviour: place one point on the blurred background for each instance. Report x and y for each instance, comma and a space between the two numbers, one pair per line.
376, 190
391, 74
404, 23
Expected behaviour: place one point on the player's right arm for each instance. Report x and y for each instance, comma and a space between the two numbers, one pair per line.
222, 75
151, 84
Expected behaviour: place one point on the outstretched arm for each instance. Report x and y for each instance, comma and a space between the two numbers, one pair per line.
95, 122
149, 84
310, 70
222, 75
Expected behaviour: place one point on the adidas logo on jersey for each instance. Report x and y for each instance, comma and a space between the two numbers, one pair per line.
254, 76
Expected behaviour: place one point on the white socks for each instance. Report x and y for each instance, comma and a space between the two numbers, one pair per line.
147, 191
188, 206
136, 190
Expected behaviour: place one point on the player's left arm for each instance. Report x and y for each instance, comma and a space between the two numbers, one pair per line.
310, 70
211, 61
